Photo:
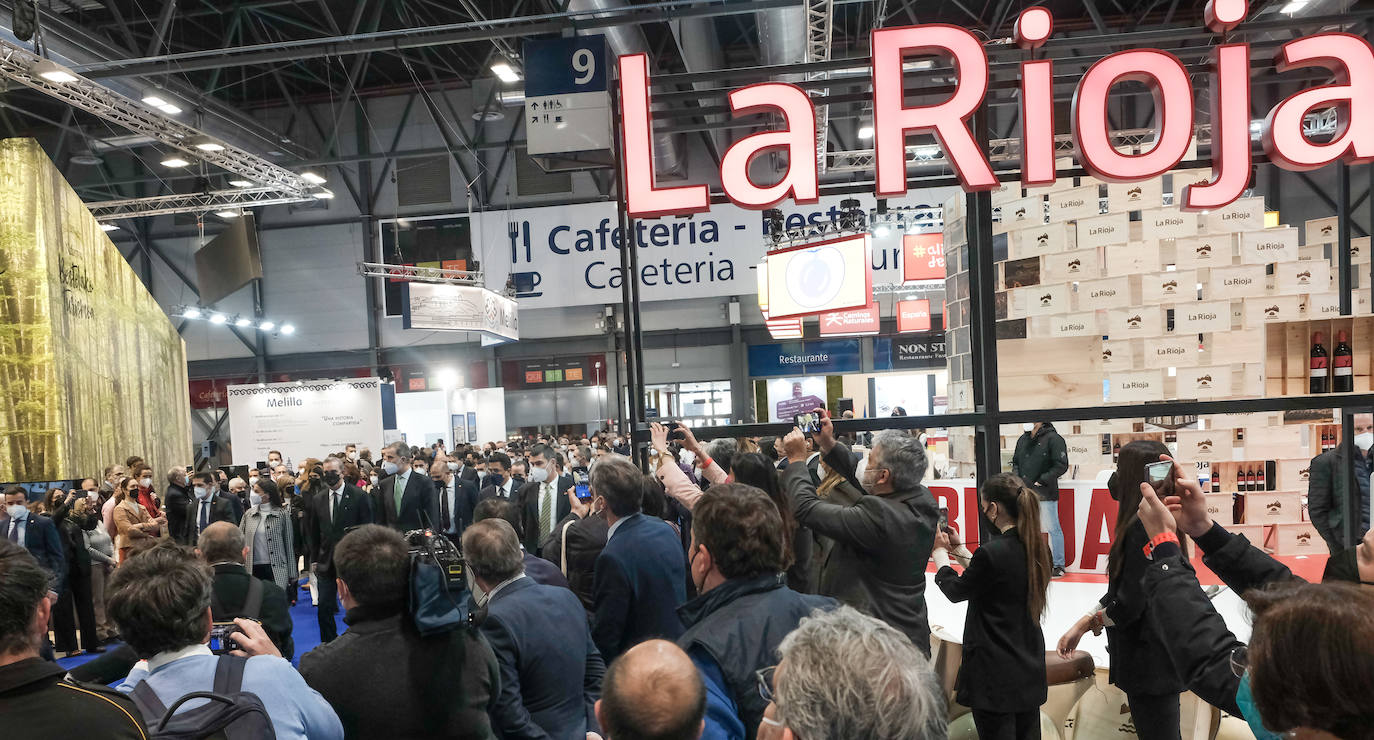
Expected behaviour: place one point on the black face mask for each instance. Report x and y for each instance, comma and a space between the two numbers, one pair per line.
332, 478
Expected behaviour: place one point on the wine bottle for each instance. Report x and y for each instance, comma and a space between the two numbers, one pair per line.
1318, 372
1216, 482
1259, 478
1343, 361
1250, 479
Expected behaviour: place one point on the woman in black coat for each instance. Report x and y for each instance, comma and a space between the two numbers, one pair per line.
1141, 666
1002, 677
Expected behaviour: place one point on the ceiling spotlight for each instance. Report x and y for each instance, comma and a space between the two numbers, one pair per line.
288, 329
313, 178
205, 144
175, 162
322, 194
242, 322
1290, 9
881, 230
190, 312
927, 152
241, 183
267, 326
505, 72
228, 214
154, 100
53, 72
169, 109
105, 226
218, 318
865, 132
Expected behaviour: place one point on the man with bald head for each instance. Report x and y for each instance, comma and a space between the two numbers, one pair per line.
236, 593
652, 692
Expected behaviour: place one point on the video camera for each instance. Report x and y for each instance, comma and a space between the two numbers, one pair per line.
438, 583
425, 544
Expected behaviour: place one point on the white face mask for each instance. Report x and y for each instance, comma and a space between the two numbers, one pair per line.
1028, 426
16, 511
390, 467
352, 456
253, 481
202, 492
453, 467
254, 499
1364, 441
374, 480
539, 475
146, 482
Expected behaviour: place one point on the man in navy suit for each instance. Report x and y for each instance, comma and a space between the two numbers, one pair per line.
403, 494
340, 507
37, 534
544, 497
550, 668
641, 574
536, 568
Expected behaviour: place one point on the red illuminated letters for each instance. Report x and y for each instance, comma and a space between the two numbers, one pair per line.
1168, 81
1350, 59
892, 120
799, 139
643, 197
1230, 130
1037, 99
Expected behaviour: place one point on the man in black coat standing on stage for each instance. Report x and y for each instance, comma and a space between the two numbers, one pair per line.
335, 510
1040, 458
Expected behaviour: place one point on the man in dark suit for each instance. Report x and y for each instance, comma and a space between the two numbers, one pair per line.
401, 496
37, 534
537, 568
543, 500
176, 502
550, 677
465, 470
457, 499
641, 575
882, 542
205, 507
222, 546
497, 482
338, 508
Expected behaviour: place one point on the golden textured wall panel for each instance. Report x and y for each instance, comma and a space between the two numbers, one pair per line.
91, 369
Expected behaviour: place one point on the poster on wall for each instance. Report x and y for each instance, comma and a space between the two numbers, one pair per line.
309, 419
460, 429
788, 397
909, 392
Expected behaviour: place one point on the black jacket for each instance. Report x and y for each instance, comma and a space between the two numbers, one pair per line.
43, 542
527, 497
36, 703
439, 687
174, 504
1327, 494
70, 529
1140, 659
455, 515
586, 538
882, 545
355, 509
418, 496
221, 510
230, 596
1004, 648
550, 669
1040, 459
739, 625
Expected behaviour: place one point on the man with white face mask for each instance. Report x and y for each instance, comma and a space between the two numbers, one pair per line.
543, 499
1327, 489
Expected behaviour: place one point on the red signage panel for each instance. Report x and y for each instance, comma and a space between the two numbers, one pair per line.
913, 315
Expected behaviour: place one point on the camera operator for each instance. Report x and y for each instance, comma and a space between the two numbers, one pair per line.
419, 687
222, 546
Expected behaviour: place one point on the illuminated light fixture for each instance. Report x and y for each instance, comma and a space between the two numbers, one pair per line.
447, 378
191, 313
242, 322
881, 230
865, 132
218, 318
206, 144
108, 227
154, 100
175, 162
53, 72
267, 326
288, 329
927, 152
322, 194
241, 183
169, 109
1255, 126
1294, 6
228, 214
313, 178
505, 72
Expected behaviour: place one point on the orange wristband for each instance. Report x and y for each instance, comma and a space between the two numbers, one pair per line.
706, 463
1159, 539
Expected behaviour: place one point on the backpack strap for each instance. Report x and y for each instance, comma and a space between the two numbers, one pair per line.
563, 547
229, 674
252, 605
148, 703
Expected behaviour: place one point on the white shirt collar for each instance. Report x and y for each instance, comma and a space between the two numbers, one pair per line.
171, 656
611, 532
339, 491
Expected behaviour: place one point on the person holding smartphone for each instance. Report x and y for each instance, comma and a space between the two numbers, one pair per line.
1002, 677
1141, 666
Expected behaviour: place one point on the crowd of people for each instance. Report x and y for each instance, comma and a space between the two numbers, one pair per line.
754, 588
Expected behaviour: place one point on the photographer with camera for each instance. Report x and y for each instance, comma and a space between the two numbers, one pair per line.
236, 593
161, 602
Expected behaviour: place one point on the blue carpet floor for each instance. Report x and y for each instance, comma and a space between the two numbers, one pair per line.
305, 630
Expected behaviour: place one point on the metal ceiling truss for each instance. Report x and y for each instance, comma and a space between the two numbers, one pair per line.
819, 28
219, 200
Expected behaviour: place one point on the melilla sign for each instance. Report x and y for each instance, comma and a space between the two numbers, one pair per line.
1349, 59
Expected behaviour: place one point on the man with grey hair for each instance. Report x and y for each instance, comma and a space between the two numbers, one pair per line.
844, 675
404, 500
540, 637
883, 541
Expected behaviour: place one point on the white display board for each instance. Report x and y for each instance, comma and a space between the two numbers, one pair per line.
309, 419
790, 396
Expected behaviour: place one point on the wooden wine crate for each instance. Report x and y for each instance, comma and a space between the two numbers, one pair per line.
1272, 442
1293, 474
1298, 538
1288, 348
1273, 507
1221, 507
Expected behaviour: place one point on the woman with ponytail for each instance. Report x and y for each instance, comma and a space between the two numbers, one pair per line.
1002, 678
1141, 666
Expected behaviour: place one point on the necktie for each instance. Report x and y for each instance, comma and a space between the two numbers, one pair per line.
398, 492
546, 509
443, 508
334, 510
14, 531
204, 515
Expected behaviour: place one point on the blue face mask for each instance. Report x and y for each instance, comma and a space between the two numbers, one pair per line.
1246, 702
